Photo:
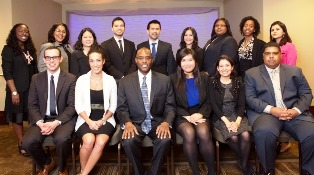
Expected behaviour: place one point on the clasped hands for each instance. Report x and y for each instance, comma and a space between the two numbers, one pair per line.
48, 128
94, 124
195, 118
283, 113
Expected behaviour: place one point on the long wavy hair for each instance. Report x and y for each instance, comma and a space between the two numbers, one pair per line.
195, 38
12, 41
52, 39
79, 45
181, 85
285, 38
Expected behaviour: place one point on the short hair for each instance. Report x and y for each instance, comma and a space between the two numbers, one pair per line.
153, 22
228, 33
227, 58
272, 44
79, 45
285, 38
195, 41
52, 39
117, 19
97, 49
52, 48
257, 27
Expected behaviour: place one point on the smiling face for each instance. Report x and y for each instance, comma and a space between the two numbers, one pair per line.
96, 62
59, 33
220, 27
272, 57
224, 68
87, 39
188, 64
22, 33
153, 31
118, 28
52, 64
248, 28
188, 38
144, 60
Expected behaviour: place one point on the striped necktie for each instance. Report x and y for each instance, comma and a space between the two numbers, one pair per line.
146, 124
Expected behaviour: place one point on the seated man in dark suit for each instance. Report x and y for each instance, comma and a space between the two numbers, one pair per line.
51, 112
164, 61
119, 51
278, 98
146, 107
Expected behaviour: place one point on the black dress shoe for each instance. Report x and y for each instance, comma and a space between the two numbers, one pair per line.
22, 151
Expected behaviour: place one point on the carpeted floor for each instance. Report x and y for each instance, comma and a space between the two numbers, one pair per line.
11, 163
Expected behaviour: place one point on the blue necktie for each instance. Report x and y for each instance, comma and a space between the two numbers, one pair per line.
52, 97
154, 50
146, 124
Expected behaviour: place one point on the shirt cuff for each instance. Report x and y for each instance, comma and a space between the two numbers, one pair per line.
59, 122
267, 109
298, 110
39, 121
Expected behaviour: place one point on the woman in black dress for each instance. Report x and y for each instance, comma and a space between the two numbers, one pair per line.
227, 98
19, 64
95, 102
193, 110
79, 59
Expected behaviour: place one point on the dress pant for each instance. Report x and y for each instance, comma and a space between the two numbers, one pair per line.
133, 150
266, 130
32, 143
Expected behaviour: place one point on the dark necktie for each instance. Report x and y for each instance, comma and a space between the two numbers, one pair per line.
154, 50
52, 97
120, 45
146, 124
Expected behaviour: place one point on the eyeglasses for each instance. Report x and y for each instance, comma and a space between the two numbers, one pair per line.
51, 58
61, 31
148, 58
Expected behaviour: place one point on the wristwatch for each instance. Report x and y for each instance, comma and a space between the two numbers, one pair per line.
14, 93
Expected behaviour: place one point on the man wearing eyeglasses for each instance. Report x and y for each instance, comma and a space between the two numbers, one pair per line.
51, 112
146, 107
278, 98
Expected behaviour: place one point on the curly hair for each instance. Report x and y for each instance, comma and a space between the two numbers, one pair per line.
79, 45
12, 41
257, 27
228, 33
195, 40
51, 37
97, 49
285, 38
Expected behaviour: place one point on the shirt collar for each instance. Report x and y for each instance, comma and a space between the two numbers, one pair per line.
148, 75
117, 39
150, 41
269, 70
55, 75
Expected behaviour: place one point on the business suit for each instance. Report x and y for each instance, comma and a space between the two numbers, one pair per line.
131, 109
266, 128
38, 95
119, 64
164, 62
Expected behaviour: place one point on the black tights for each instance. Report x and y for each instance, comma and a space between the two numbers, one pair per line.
202, 133
241, 145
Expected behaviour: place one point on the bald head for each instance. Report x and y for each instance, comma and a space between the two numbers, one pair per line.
144, 60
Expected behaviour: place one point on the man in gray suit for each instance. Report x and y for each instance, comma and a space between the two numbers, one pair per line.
278, 98
119, 52
146, 107
51, 112
164, 61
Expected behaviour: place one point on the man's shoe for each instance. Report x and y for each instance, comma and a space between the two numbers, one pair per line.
47, 168
65, 172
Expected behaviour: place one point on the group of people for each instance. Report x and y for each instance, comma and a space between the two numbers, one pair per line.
154, 94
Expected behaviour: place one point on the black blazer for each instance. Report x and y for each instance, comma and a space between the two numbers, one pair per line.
79, 63
181, 99
119, 64
257, 54
217, 93
16, 68
38, 96
130, 102
164, 62
199, 57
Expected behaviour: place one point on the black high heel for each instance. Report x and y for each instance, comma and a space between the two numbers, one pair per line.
21, 149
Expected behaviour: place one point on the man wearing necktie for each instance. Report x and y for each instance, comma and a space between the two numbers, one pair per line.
119, 52
51, 112
146, 107
278, 98
161, 51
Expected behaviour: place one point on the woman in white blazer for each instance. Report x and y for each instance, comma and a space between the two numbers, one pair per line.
95, 102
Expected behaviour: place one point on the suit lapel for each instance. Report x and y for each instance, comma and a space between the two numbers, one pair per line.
137, 87
61, 81
283, 78
116, 47
153, 87
45, 88
267, 79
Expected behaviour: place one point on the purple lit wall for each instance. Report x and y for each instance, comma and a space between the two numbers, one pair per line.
171, 25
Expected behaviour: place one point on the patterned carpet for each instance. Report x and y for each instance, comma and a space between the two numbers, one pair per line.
11, 163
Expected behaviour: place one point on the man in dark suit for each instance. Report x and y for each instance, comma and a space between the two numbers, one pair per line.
164, 61
278, 98
51, 112
119, 52
146, 107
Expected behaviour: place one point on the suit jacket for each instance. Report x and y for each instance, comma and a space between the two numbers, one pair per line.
130, 102
38, 96
217, 93
79, 63
164, 62
221, 45
16, 68
257, 54
182, 102
119, 64
295, 90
